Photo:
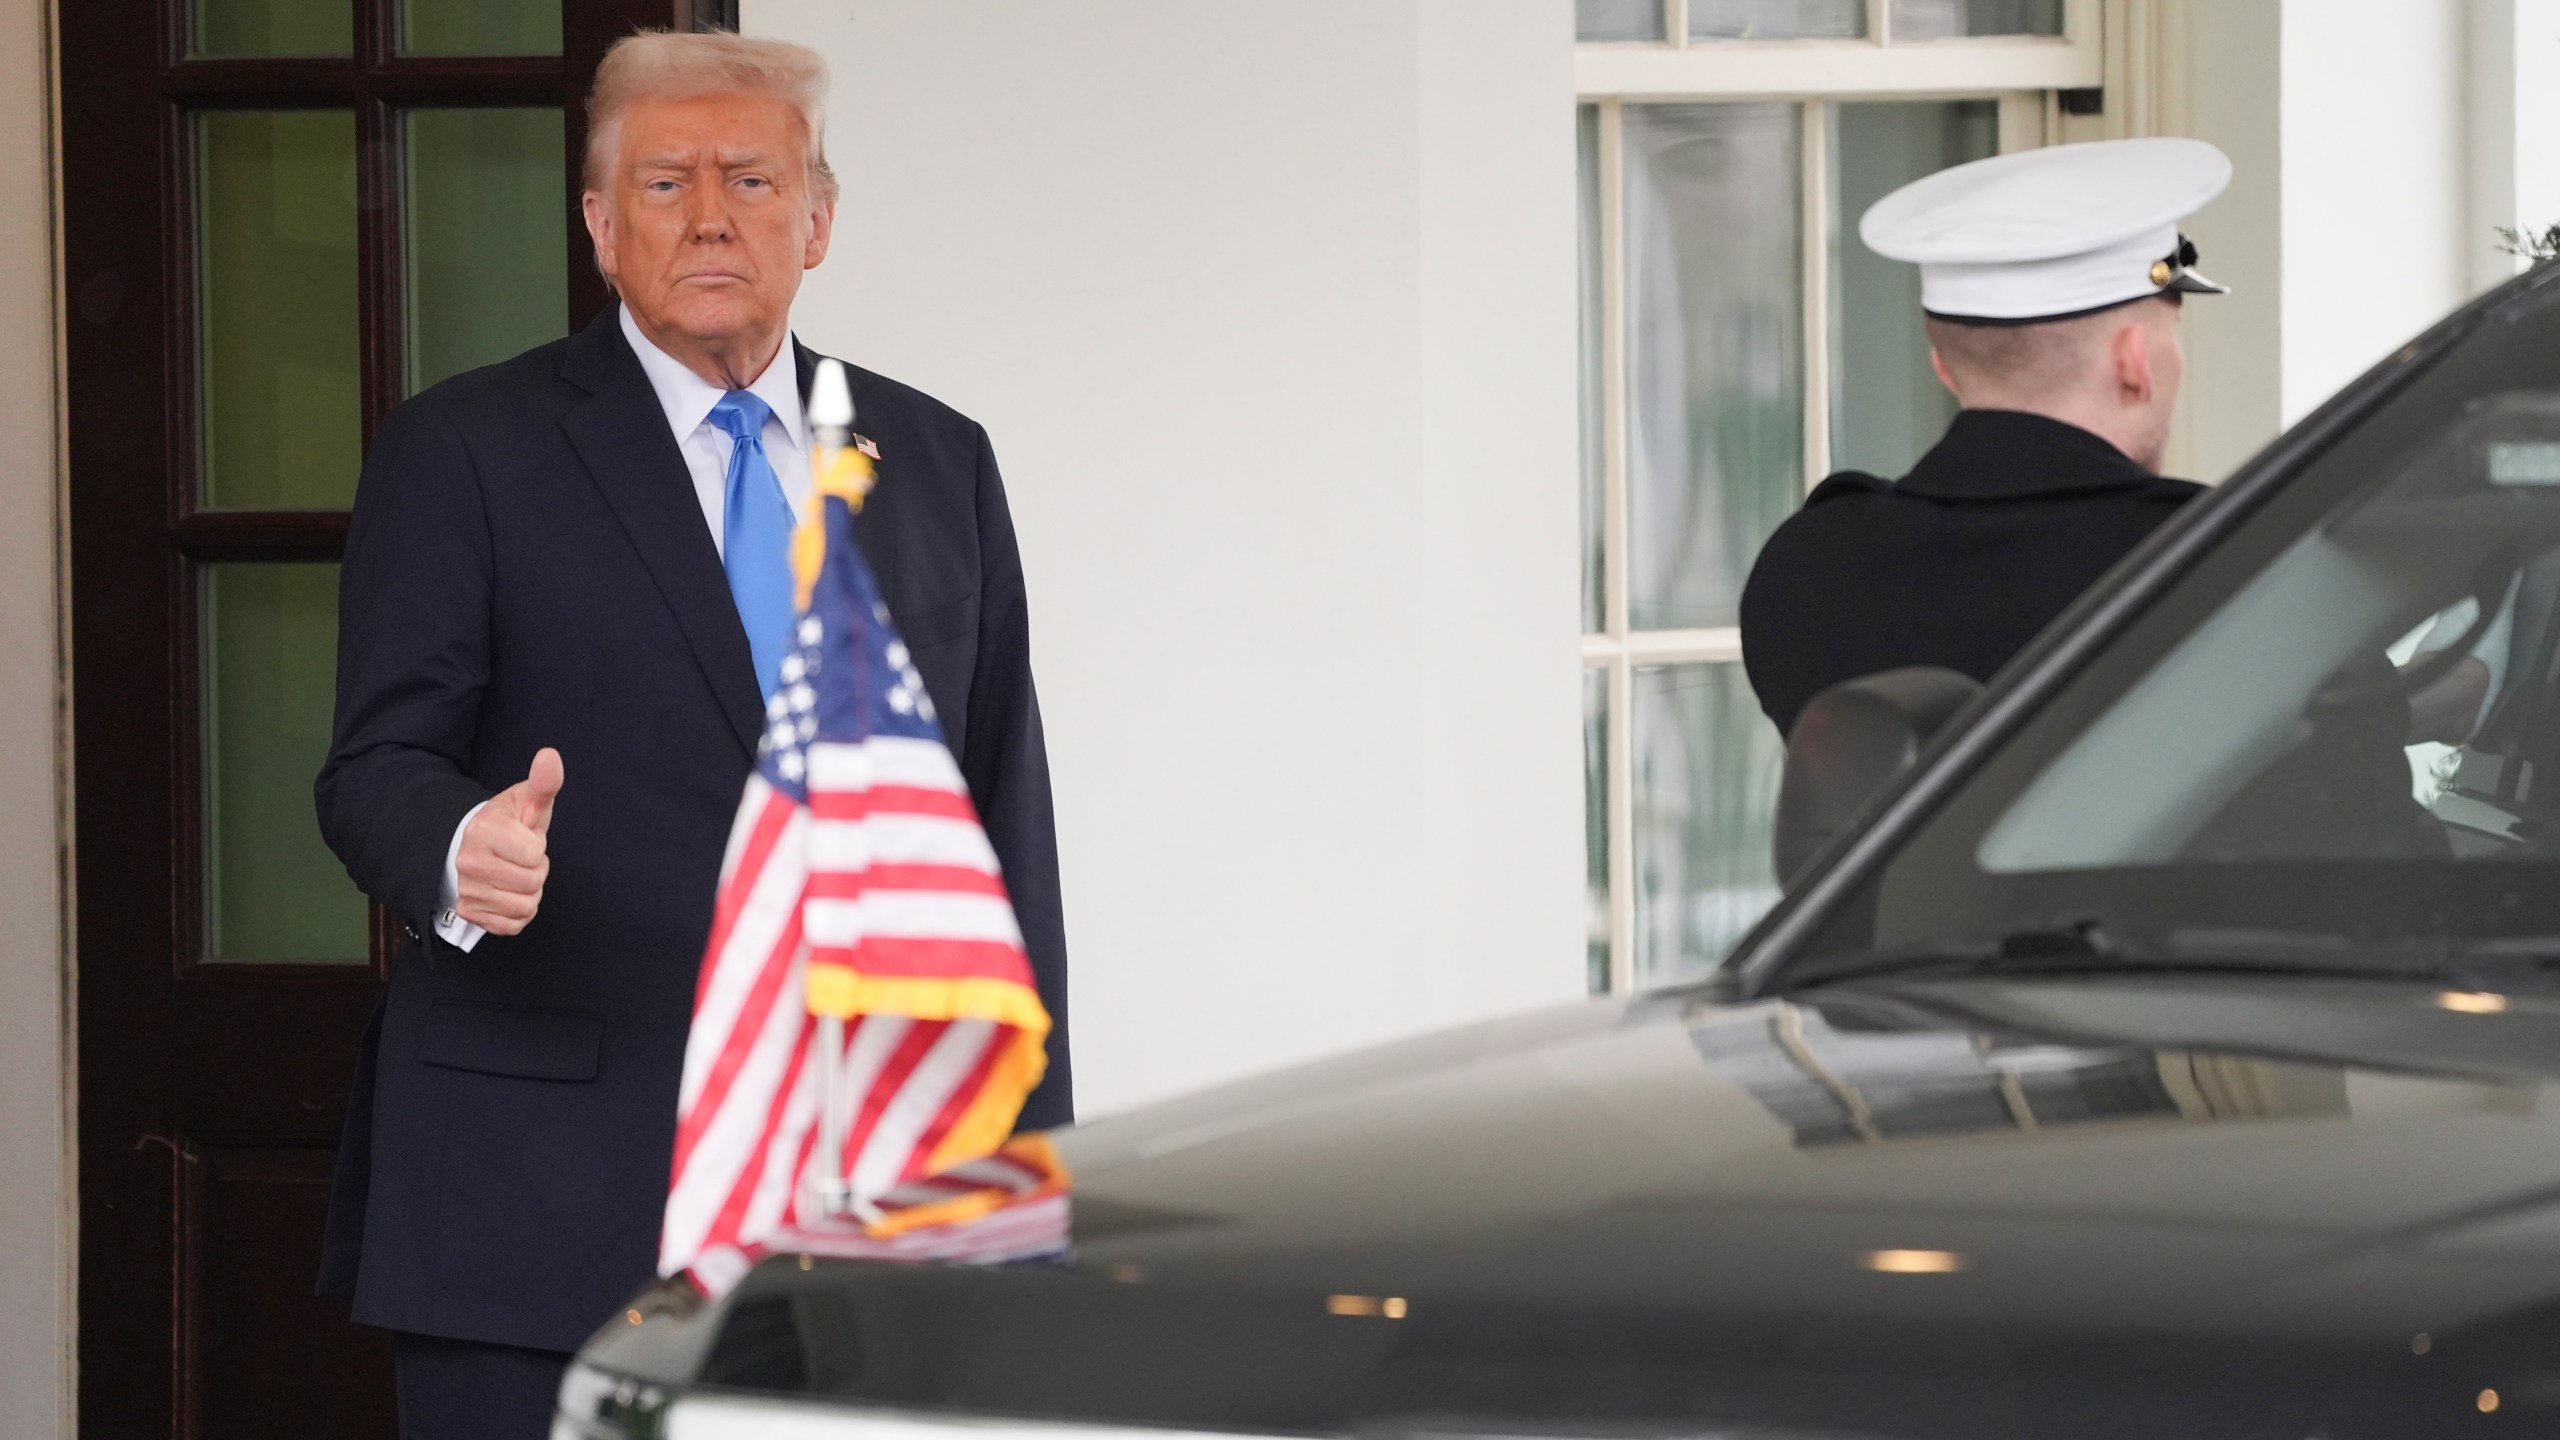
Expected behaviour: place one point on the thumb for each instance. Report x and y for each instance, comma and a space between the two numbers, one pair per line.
541, 785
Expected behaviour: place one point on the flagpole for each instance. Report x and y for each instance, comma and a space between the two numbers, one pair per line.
831, 429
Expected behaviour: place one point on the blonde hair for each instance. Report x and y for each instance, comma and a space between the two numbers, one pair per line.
667, 65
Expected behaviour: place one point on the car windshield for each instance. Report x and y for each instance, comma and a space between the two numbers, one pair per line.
2344, 718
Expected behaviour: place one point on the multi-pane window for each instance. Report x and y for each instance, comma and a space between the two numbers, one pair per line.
380, 198
1739, 343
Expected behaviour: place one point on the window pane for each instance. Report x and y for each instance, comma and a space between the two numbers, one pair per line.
1595, 824
1946, 19
223, 28
276, 287
273, 890
1887, 406
1706, 789
1617, 19
1594, 465
479, 27
1715, 345
1777, 19
487, 245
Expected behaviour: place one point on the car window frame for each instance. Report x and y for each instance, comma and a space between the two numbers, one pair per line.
1840, 886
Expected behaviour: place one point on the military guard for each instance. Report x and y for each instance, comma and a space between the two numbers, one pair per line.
2052, 282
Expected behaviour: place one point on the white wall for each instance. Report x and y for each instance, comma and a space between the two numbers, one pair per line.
36, 1181
1271, 315
2377, 216
2376, 145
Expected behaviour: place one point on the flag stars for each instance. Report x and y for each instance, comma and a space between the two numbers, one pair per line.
794, 668
902, 700
811, 632
791, 764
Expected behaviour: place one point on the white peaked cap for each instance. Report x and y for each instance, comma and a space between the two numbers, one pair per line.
2046, 234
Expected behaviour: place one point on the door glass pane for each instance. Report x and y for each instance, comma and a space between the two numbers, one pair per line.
224, 28
1777, 19
1715, 350
479, 27
276, 287
1594, 474
1887, 406
1706, 790
273, 890
487, 247
1617, 19
1947, 19
1595, 825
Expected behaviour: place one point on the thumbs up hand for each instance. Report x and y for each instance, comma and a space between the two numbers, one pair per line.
505, 857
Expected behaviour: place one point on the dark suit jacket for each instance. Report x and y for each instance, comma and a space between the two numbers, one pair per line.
528, 566
1997, 529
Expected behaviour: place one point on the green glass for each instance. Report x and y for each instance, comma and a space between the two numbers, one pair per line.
1595, 826
1706, 795
1887, 407
1953, 19
1777, 19
274, 893
1714, 256
1606, 20
487, 244
479, 27
226, 29
276, 297
1594, 463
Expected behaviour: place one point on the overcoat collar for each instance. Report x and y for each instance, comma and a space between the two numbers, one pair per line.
2012, 455
621, 433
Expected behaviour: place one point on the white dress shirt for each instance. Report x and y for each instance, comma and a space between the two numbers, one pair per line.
687, 399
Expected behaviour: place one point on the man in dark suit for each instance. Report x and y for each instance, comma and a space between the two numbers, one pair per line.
2052, 281
558, 617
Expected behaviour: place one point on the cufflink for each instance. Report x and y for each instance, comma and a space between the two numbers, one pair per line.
448, 917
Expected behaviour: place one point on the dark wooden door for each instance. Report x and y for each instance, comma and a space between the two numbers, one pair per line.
280, 218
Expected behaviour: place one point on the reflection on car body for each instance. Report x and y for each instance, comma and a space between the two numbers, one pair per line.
2170, 1053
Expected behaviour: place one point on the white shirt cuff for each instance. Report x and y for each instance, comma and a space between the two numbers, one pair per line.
457, 932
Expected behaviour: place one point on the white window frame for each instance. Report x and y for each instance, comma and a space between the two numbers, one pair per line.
2022, 73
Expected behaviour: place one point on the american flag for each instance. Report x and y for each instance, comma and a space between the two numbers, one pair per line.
858, 887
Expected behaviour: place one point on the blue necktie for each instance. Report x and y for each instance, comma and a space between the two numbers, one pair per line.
755, 545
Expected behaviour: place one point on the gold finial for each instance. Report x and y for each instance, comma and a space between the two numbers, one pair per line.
838, 470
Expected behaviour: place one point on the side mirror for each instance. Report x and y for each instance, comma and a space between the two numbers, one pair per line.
1849, 743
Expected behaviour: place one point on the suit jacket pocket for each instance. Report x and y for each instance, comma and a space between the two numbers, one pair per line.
923, 625
498, 1040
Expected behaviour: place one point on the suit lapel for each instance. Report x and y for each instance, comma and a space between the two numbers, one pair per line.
881, 509
621, 434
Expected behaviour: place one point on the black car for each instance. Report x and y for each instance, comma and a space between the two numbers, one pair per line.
2165, 1054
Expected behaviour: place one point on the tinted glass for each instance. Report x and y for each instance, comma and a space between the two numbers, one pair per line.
1948, 19
1777, 19
480, 27
1714, 260
276, 290
1706, 772
1617, 19
1887, 406
274, 892
487, 244
225, 29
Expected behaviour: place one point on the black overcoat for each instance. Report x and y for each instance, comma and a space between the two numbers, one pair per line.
2001, 525
528, 566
